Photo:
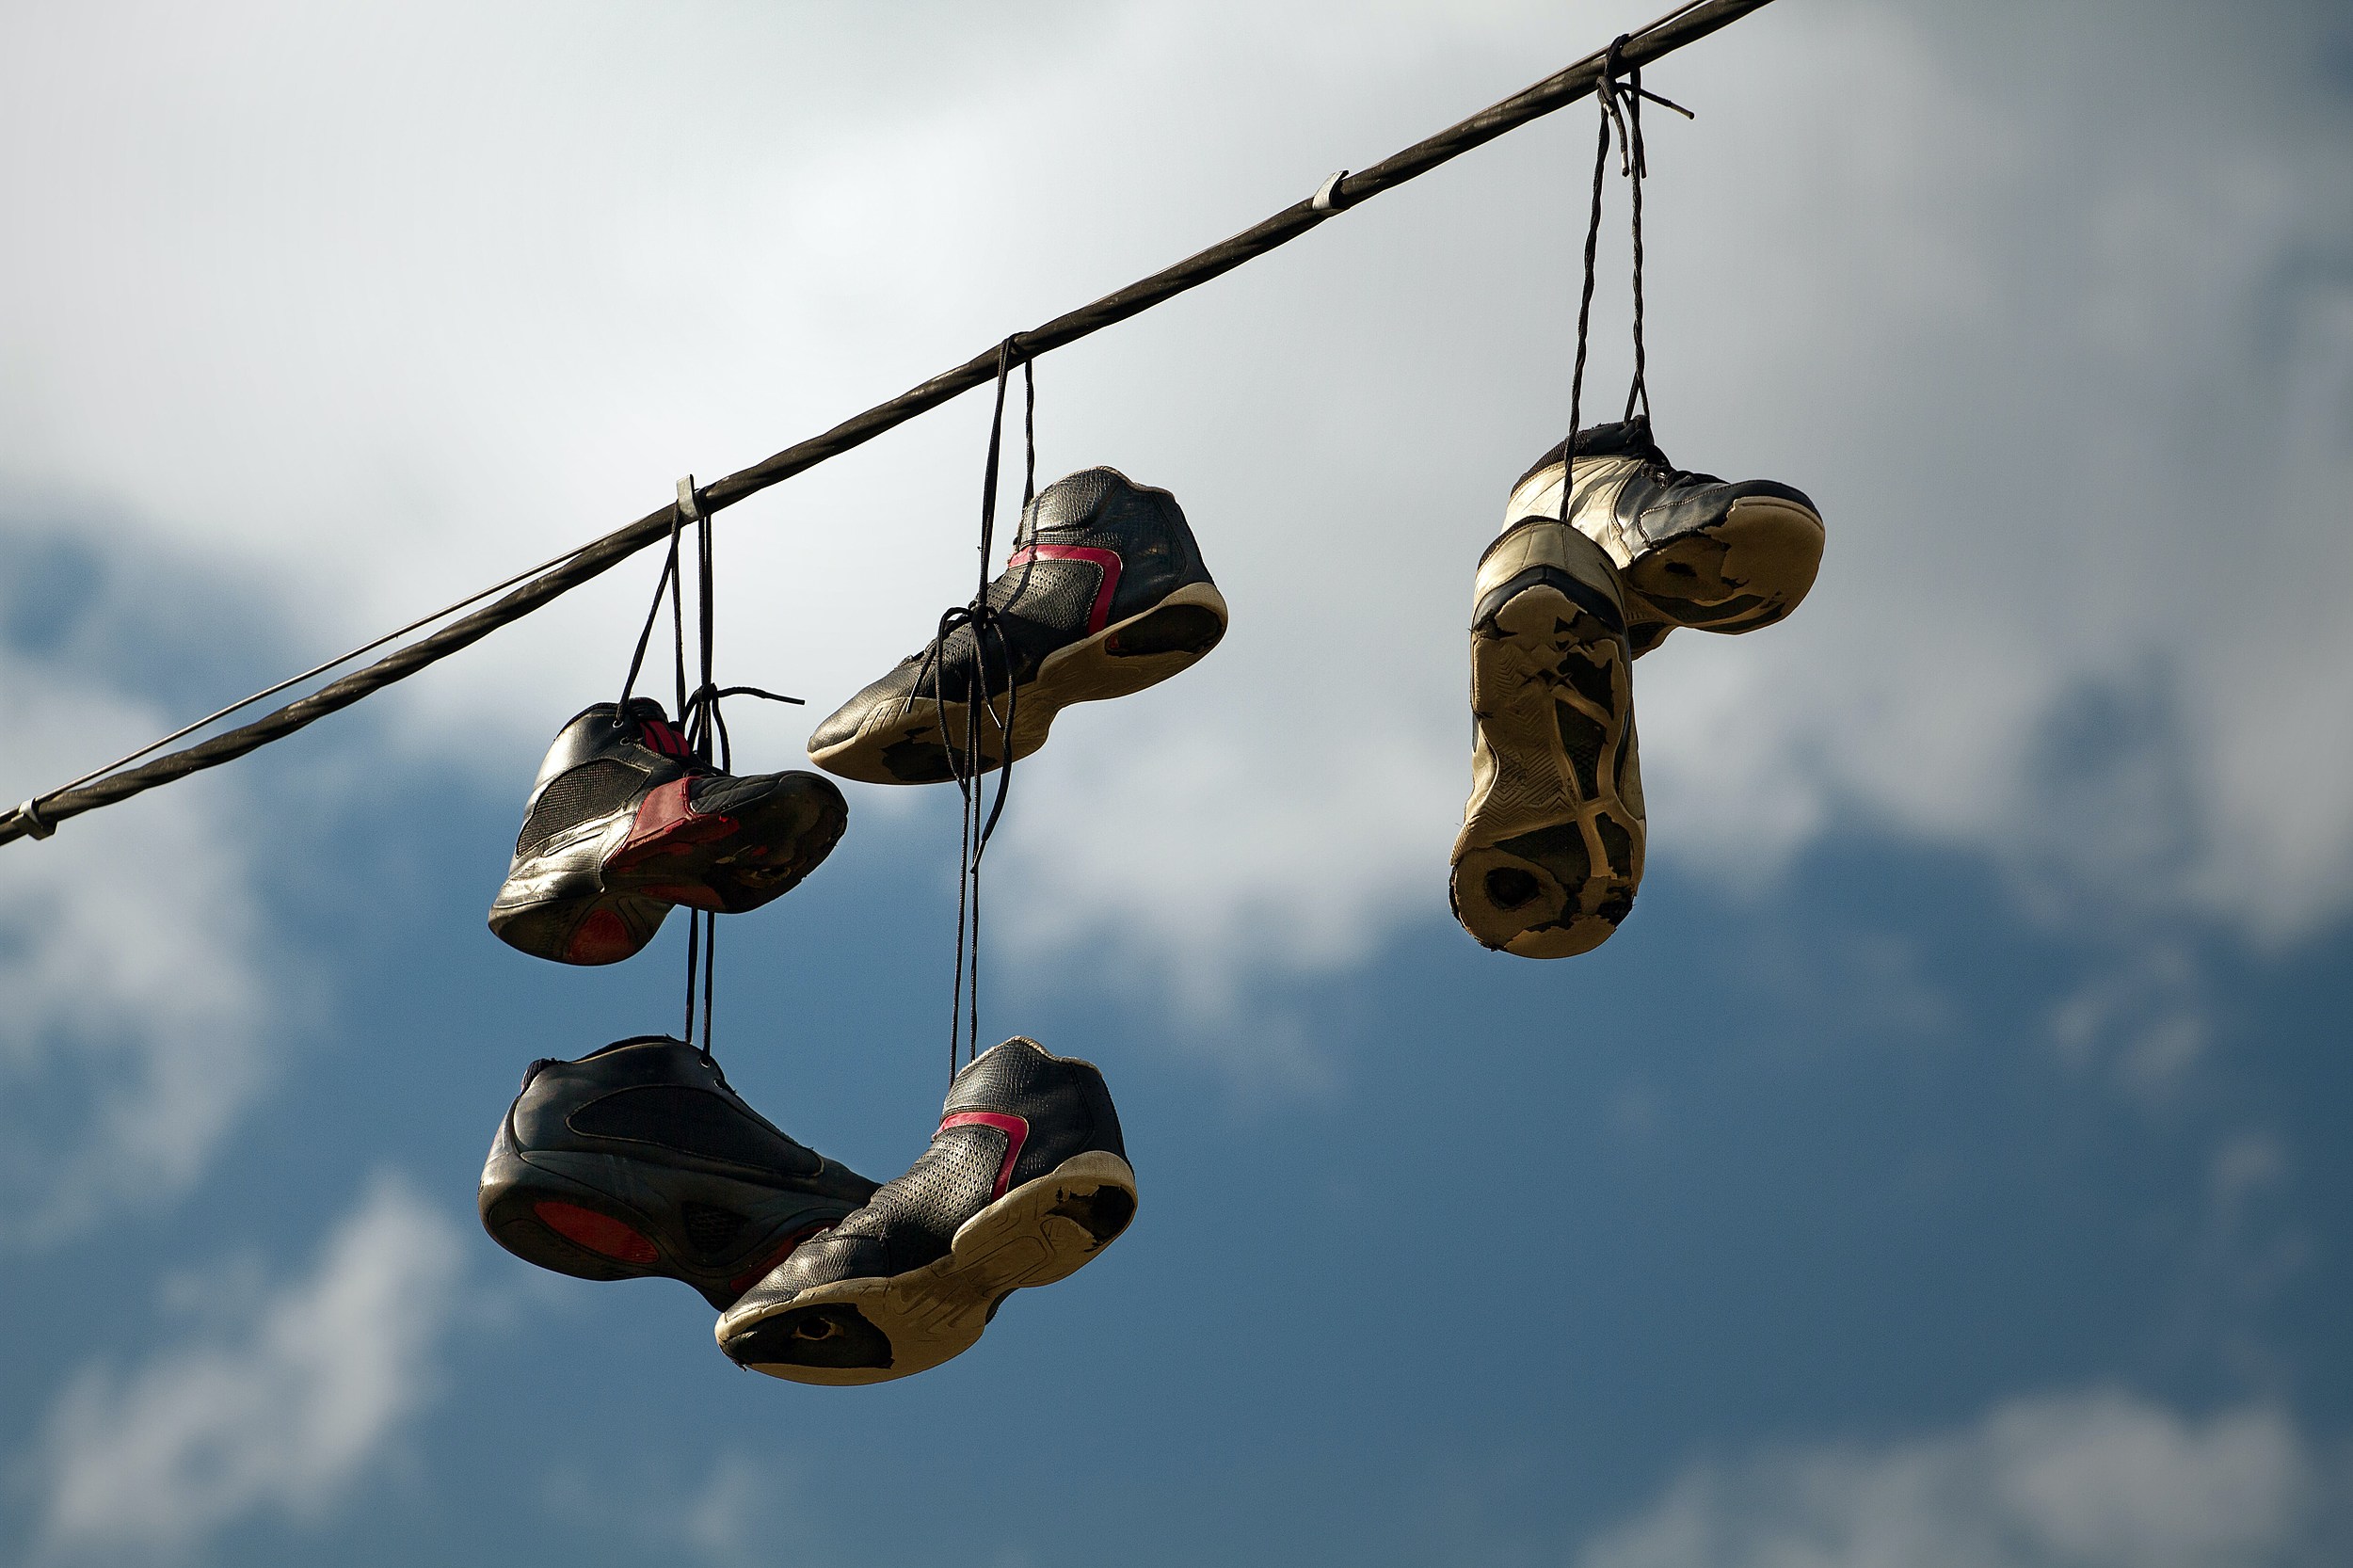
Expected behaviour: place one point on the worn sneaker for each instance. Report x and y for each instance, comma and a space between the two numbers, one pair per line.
1552, 847
638, 1160
623, 823
1104, 595
1025, 1180
1693, 549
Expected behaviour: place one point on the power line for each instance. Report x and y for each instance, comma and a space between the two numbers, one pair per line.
38, 816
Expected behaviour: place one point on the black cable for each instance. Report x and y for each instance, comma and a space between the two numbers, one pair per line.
1684, 25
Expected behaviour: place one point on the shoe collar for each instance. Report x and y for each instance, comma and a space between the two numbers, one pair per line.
1628, 438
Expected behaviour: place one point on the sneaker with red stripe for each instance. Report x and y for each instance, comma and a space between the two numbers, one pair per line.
638, 1160
624, 822
1104, 595
1026, 1179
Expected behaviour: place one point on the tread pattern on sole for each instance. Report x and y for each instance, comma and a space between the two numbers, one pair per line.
1551, 848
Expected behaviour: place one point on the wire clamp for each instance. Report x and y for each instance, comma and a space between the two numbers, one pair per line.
1327, 194
29, 814
687, 510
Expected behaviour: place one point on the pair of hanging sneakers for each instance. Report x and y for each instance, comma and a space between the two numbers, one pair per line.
640, 1160
1565, 599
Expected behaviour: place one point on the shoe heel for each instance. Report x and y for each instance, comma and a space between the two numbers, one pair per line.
1747, 572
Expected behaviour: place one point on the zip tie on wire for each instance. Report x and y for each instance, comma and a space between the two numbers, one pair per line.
542, 584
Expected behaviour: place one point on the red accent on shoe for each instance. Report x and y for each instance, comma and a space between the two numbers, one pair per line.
762, 1269
658, 736
601, 1234
600, 938
1107, 559
1017, 1131
667, 822
661, 809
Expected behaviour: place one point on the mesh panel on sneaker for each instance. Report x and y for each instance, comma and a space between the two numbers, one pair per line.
710, 1228
1068, 501
917, 1215
1060, 594
588, 791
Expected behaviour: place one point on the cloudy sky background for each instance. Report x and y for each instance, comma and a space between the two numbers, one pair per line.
1943, 1166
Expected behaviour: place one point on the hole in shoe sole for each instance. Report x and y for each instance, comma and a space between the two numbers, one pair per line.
1102, 1213
834, 1335
1510, 887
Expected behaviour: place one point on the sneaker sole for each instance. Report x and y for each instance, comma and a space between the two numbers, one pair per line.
1551, 848
581, 1227
1042, 1231
739, 860
586, 929
1119, 661
1749, 570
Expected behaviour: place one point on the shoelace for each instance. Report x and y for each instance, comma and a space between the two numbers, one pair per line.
702, 723
1619, 95
967, 761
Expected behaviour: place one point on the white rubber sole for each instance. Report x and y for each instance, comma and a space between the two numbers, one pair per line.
1119, 661
1551, 848
1042, 1231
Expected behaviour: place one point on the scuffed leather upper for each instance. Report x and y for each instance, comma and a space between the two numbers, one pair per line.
910, 1220
1042, 603
1627, 497
600, 765
658, 1098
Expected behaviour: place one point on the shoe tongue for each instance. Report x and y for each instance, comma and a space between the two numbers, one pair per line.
655, 731
1628, 439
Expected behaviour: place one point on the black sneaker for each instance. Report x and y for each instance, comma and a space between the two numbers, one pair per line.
1104, 595
1694, 549
623, 824
1025, 1180
1552, 847
638, 1160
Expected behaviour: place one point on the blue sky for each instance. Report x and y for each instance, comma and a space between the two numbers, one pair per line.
1943, 1166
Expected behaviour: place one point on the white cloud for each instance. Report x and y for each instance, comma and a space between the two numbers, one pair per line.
740, 1514
281, 1417
2064, 352
2085, 414
139, 1021
2143, 1021
738, 1507
2088, 1481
